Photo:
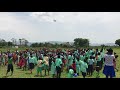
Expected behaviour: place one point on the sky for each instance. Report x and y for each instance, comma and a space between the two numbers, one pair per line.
98, 27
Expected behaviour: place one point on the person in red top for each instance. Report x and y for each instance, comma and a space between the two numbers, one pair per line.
22, 62
74, 66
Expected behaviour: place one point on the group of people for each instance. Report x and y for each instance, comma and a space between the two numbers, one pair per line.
74, 62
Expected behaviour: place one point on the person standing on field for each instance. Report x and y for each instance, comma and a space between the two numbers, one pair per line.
58, 63
109, 64
10, 65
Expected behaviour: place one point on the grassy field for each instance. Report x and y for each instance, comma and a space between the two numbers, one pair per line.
18, 73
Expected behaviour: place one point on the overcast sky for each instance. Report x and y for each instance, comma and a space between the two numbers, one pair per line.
98, 27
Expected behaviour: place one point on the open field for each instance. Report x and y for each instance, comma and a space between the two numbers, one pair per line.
18, 73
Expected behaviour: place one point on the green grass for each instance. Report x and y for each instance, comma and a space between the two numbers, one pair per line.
18, 73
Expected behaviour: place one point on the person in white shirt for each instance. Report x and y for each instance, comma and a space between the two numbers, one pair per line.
109, 64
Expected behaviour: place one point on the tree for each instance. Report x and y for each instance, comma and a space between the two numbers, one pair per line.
20, 40
34, 45
23, 41
3, 42
26, 42
10, 43
13, 41
117, 42
80, 42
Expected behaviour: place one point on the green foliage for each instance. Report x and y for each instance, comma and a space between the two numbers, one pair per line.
80, 42
117, 42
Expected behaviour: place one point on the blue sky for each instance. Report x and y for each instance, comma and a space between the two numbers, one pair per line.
98, 27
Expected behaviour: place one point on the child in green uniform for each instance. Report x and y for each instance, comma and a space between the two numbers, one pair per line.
70, 60
58, 63
10, 65
46, 63
39, 67
31, 63
53, 68
78, 66
84, 67
98, 64
71, 72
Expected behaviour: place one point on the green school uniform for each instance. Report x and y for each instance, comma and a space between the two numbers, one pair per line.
35, 60
99, 58
31, 60
10, 61
70, 60
77, 66
39, 67
58, 62
82, 57
70, 74
83, 66
3, 59
53, 68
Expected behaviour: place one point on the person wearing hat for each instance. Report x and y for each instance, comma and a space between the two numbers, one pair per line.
109, 64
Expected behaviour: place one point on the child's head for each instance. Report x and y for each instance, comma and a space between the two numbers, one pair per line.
91, 57
40, 58
110, 51
116, 56
98, 53
77, 58
58, 56
9, 57
73, 61
114, 53
70, 67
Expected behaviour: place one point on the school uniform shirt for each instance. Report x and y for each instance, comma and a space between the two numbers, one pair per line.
10, 61
35, 60
46, 60
53, 68
39, 63
90, 61
70, 60
82, 57
77, 66
99, 58
42, 56
109, 60
90, 52
61, 56
65, 57
31, 60
70, 74
83, 66
102, 54
58, 62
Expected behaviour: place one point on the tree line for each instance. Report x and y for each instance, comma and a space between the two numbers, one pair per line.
14, 42
78, 42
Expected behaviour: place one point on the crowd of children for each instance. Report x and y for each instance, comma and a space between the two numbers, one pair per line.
75, 62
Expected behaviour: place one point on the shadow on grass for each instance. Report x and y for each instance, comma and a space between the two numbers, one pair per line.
28, 73
5, 76
18, 68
